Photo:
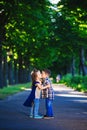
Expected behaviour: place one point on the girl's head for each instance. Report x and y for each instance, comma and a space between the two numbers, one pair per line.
35, 75
46, 73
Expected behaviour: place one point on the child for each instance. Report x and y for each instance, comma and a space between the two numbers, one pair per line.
48, 94
33, 99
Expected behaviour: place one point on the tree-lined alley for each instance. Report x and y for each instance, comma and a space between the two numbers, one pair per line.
39, 34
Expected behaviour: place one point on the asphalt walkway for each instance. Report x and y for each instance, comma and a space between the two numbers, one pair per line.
70, 110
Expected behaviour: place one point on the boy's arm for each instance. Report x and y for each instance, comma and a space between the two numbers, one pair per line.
46, 86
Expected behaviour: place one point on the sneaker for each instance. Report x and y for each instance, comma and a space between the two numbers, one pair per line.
38, 117
45, 115
31, 116
48, 117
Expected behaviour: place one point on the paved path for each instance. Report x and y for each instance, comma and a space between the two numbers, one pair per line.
70, 110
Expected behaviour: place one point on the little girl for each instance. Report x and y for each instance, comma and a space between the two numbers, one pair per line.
33, 99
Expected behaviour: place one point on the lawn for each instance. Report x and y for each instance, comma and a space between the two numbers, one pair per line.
7, 91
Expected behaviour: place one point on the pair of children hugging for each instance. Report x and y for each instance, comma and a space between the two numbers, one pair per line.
46, 92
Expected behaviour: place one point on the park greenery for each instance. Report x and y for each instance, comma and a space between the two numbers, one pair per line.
10, 90
39, 34
77, 82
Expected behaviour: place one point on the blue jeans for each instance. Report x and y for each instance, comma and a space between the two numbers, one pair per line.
49, 109
35, 108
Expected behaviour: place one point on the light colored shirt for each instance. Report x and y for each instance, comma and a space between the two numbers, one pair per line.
37, 93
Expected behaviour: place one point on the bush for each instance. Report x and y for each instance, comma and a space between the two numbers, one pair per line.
77, 79
66, 79
77, 82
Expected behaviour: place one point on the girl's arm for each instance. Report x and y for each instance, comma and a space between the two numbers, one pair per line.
39, 86
42, 87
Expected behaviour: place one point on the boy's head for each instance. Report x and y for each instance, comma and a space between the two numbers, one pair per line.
46, 73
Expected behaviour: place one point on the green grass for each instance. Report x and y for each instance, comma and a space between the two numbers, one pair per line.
7, 91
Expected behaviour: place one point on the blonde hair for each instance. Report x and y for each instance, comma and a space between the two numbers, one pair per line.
34, 75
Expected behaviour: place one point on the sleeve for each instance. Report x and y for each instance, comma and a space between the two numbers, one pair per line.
47, 82
37, 83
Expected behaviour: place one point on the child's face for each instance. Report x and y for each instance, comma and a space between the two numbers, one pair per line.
44, 75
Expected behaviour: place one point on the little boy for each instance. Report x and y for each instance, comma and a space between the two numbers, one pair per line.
48, 93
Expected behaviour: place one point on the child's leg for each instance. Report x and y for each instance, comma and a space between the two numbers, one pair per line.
31, 111
36, 109
49, 110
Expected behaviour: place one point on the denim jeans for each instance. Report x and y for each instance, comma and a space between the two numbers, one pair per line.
49, 109
36, 107
32, 110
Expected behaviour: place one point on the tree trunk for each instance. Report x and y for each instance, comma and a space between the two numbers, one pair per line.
5, 71
27, 69
24, 75
28, 75
73, 66
3, 21
20, 70
15, 72
82, 62
1, 70
10, 72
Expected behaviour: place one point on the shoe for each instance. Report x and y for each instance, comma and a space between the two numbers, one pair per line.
31, 116
48, 117
45, 115
38, 117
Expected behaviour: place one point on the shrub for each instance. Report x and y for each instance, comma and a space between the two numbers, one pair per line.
77, 82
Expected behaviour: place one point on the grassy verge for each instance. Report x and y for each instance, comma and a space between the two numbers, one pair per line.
7, 91
77, 82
